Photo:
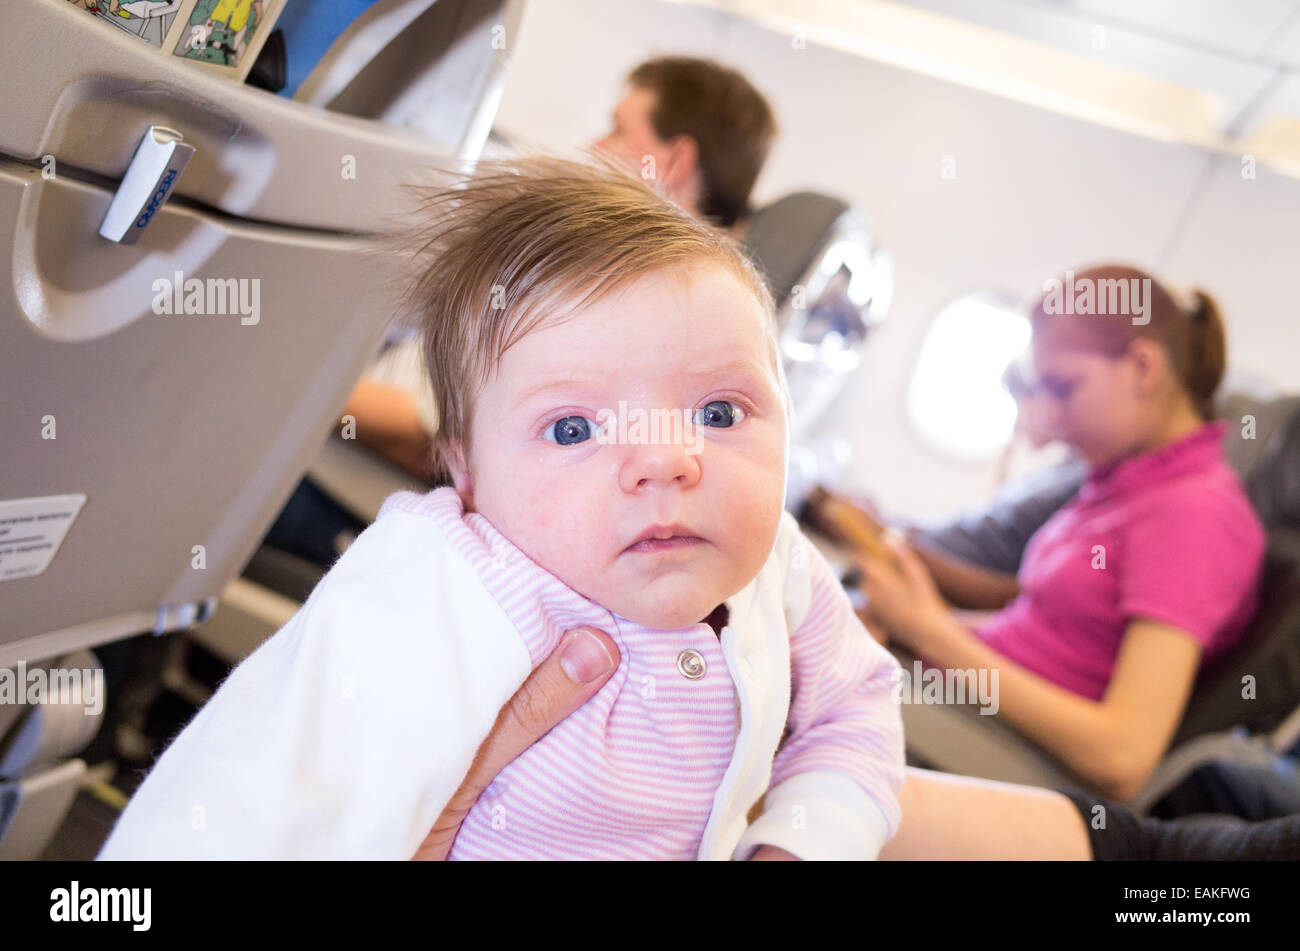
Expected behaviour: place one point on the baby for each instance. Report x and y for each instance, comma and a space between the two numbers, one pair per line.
614, 421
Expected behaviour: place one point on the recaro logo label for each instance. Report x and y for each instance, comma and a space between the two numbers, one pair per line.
159, 196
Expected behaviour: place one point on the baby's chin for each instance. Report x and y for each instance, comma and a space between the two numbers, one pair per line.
659, 617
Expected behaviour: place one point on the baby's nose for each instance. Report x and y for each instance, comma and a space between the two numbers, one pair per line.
660, 465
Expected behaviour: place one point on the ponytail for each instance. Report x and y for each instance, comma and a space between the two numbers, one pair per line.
1207, 352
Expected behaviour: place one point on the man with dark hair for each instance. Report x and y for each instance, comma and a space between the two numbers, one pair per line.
700, 128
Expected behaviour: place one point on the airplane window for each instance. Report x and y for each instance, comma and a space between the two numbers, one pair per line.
956, 399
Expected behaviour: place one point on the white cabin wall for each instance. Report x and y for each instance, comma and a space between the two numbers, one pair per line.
1036, 192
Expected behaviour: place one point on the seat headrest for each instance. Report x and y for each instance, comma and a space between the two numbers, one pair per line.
1273, 482
786, 237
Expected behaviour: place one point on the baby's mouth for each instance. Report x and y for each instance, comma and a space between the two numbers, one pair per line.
649, 546
661, 538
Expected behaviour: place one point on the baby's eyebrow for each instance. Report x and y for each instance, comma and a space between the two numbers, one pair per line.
731, 368
742, 372
567, 383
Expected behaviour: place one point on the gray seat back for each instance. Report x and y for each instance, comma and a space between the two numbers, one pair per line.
1257, 683
163, 398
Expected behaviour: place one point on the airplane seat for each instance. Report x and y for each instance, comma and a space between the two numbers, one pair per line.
1271, 654
1272, 475
39, 742
1256, 684
1245, 706
832, 284
355, 478
283, 571
184, 307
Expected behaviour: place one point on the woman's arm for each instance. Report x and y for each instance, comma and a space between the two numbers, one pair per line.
956, 817
963, 584
855, 524
1115, 742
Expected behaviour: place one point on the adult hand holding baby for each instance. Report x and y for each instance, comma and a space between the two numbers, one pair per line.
575, 671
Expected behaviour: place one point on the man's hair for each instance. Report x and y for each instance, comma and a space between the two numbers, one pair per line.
519, 242
726, 116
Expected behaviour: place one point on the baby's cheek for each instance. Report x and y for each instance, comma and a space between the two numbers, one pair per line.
762, 522
572, 544
759, 488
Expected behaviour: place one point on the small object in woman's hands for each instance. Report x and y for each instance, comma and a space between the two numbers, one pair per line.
893, 539
849, 525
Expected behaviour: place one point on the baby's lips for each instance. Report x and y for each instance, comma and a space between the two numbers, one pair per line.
664, 532
664, 544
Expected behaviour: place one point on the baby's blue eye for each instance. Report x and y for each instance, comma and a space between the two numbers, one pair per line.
719, 413
569, 431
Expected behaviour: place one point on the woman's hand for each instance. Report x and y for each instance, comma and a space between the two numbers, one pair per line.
575, 671
905, 601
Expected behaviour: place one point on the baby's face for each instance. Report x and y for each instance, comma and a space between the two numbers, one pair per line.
658, 527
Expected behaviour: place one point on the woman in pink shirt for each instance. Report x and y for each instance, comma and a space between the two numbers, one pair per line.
1147, 573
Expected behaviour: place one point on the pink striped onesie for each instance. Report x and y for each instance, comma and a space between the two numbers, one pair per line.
633, 773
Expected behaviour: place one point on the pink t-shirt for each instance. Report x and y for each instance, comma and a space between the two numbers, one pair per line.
1167, 536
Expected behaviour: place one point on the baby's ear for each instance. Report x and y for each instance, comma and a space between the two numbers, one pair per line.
454, 455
